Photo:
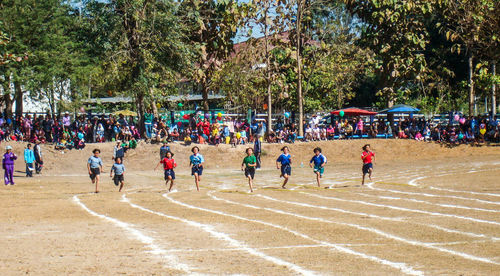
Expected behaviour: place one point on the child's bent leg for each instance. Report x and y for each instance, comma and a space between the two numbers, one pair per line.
318, 176
197, 180
250, 183
363, 181
171, 185
96, 183
286, 181
370, 173
121, 186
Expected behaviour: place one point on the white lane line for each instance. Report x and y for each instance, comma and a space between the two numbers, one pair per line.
225, 237
433, 195
379, 232
171, 261
431, 203
465, 192
405, 209
399, 266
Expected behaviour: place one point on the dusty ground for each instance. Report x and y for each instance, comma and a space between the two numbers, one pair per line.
430, 210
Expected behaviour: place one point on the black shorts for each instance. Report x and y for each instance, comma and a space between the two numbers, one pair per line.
118, 178
94, 172
286, 169
250, 171
367, 167
169, 173
197, 169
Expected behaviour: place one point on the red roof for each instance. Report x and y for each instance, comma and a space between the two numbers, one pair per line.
352, 111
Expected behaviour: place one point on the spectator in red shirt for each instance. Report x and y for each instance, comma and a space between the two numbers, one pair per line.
367, 157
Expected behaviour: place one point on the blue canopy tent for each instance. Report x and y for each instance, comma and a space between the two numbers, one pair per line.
401, 109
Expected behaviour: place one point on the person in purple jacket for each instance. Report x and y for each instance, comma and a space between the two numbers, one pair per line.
8, 165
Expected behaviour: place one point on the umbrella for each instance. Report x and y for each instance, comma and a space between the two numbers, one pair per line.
353, 111
401, 108
125, 112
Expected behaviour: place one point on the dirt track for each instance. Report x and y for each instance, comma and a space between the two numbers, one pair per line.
430, 210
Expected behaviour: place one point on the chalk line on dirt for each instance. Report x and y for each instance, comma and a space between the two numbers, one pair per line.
405, 209
376, 231
399, 266
432, 203
171, 260
223, 236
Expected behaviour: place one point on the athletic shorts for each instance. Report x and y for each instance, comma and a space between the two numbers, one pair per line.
286, 169
197, 169
367, 167
94, 172
169, 173
319, 169
118, 178
250, 171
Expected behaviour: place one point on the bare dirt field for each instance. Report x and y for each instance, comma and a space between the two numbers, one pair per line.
430, 210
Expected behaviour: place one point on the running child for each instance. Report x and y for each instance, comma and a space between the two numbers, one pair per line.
248, 165
285, 160
319, 161
168, 166
196, 162
8, 165
94, 165
367, 156
119, 170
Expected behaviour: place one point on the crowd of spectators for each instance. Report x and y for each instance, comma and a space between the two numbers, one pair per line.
68, 132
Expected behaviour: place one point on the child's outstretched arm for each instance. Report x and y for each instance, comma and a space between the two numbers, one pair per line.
111, 172
157, 165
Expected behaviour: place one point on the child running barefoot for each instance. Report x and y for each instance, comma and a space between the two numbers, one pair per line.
8, 165
119, 170
196, 162
168, 166
367, 156
94, 165
319, 161
249, 164
285, 159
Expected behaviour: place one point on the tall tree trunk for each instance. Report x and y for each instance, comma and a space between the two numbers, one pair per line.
268, 74
8, 104
493, 91
299, 70
18, 98
139, 101
471, 85
205, 96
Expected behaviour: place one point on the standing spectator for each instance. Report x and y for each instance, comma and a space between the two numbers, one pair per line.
148, 123
66, 120
29, 159
257, 149
8, 165
38, 157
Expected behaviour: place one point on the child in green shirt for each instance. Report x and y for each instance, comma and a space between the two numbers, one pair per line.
248, 165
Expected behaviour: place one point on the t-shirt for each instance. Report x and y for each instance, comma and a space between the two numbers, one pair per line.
249, 160
196, 159
163, 151
119, 169
95, 162
367, 157
284, 159
168, 164
318, 160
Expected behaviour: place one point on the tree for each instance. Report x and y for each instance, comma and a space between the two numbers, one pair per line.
212, 25
475, 27
146, 51
395, 31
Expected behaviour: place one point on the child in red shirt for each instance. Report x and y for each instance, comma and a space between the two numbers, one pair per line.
168, 166
367, 156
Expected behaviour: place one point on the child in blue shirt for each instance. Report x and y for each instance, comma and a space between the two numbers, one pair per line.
196, 162
285, 160
119, 170
319, 161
